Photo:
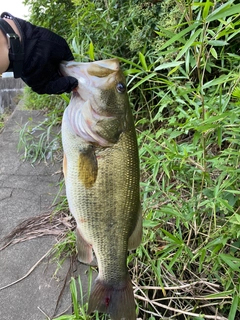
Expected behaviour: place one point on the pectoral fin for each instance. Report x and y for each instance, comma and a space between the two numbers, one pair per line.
136, 237
88, 167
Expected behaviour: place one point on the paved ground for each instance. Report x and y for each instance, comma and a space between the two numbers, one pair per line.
27, 191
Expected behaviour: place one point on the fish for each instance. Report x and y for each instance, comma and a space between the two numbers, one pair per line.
102, 177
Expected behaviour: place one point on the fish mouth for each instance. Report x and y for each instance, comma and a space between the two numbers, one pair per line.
92, 74
92, 77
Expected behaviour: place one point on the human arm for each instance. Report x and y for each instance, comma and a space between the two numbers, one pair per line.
43, 52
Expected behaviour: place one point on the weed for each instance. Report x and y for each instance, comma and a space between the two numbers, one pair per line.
80, 309
3, 119
41, 141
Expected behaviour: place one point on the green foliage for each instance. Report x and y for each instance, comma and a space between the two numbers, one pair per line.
189, 151
53, 15
115, 28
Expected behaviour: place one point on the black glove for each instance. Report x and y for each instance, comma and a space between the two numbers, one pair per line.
43, 52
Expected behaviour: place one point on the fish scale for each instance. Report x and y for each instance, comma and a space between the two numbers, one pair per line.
101, 170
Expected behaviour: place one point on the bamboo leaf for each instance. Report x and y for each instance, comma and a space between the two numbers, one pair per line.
169, 65
206, 8
175, 257
220, 80
214, 53
217, 43
91, 51
188, 44
173, 70
219, 295
236, 92
143, 61
165, 33
75, 46
178, 36
165, 169
150, 224
172, 237
232, 262
222, 12
225, 204
233, 191
132, 71
148, 77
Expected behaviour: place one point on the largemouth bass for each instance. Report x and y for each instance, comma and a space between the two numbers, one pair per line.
101, 170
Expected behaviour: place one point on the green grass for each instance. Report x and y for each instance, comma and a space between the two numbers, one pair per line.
3, 119
79, 304
42, 142
1, 122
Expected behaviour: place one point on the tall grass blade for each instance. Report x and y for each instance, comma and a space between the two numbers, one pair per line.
234, 307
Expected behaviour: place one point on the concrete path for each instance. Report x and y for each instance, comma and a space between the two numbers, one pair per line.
27, 191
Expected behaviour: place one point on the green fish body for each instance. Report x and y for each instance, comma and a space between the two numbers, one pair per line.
101, 170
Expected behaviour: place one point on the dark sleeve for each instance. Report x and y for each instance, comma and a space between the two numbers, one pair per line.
43, 52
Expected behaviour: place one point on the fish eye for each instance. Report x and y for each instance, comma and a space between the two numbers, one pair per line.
121, 88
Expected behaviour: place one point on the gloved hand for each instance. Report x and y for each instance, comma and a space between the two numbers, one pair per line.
43, 52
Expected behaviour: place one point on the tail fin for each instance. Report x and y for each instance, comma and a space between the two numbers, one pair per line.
116, 301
